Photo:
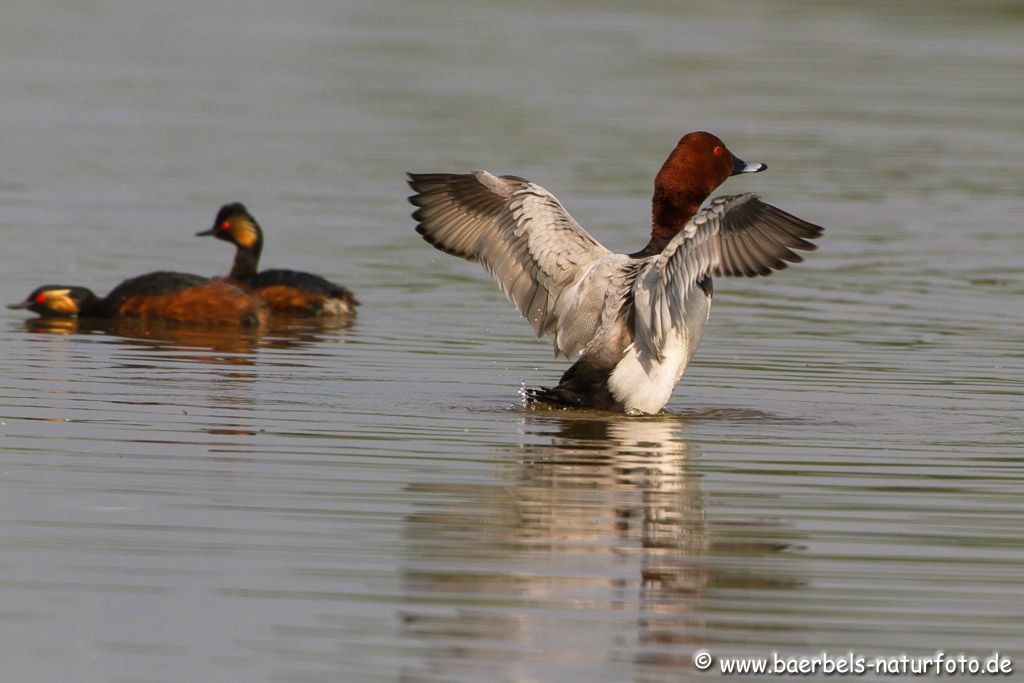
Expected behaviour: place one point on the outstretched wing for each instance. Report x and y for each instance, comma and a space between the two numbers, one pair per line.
520, 233
734, 235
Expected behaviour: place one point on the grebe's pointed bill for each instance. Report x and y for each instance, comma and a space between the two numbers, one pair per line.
20, 304
203, 233
740, 166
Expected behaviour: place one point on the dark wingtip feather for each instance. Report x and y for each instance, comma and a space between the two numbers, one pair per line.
759, 238
432, 241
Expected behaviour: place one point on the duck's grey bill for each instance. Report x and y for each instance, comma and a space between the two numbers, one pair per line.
740, 166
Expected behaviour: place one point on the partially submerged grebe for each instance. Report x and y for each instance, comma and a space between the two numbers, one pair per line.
161, 295
287, 292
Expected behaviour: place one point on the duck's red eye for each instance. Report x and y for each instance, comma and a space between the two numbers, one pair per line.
41, 298
718, 151
225, 226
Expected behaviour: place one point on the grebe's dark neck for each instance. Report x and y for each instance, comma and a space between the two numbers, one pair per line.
247, 262
89, 305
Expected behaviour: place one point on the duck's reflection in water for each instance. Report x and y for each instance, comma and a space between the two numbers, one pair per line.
595, 544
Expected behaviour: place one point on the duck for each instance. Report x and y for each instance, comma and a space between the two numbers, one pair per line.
161, 295
632, 322
287, 292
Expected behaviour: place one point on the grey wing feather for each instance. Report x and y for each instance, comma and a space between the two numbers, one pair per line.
518, 231
733, 235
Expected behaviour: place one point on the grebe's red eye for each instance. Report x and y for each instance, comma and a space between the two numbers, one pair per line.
41, 298
225, 226
718, 151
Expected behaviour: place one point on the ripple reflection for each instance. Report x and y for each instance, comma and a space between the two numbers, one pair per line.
594, 513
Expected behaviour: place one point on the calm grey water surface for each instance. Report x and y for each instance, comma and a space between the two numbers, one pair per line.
841, 468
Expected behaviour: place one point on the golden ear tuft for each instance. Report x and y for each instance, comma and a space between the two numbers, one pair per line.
245, 235
60, 300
